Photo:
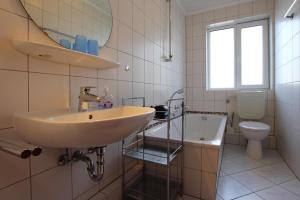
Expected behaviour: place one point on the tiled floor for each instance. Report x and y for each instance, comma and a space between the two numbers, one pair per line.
242, 178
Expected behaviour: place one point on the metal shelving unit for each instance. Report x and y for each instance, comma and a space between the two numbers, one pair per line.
163, 153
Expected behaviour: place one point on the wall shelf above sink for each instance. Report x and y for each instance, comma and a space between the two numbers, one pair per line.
62, 55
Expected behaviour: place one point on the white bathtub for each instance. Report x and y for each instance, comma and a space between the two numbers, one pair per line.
205, 129
200, 129
203, 142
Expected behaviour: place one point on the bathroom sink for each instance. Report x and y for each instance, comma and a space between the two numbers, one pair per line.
66, 129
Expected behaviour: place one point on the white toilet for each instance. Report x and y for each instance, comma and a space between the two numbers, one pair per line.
251, 107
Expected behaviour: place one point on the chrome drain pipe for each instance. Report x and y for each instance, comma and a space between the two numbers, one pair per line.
95, 170
96, 173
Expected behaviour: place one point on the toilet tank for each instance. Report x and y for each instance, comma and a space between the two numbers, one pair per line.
251, 104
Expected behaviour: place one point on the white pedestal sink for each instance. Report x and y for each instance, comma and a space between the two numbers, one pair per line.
65, 129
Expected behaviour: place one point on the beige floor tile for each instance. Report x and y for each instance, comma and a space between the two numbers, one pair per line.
292, 186
240, 176
250, 197
277, 173
277, 193
252, 181
229, 188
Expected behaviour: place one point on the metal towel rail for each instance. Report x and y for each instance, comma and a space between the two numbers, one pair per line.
11, 144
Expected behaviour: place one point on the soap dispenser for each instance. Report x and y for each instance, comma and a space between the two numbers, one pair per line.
107, 100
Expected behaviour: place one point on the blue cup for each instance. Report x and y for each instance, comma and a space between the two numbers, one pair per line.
80, 43
74, 46
93, 47
65, 43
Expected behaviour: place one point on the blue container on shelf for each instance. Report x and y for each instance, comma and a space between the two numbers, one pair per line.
80, 44
74, 46
65, 43
93, 47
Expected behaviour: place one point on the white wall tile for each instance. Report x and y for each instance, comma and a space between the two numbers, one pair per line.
210, 159
112, 162
90, 194
48, 92
60, 181
149, 50
192, 157
14, 7
19, 191
15, 87
125, 38
12, 169
123, 74
149, 89
149, 67
140, 4
138, 90
125, 90
192, 182
83, 72
208, 186
138, 68
157, 74
45, 161
43, 66
138, 20
81, 182
138, 45
15, 28
126, 12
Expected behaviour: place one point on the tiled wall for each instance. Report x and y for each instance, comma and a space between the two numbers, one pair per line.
28, 84
197, 96
287, 85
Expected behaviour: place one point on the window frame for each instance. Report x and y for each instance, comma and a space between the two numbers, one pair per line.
238, 26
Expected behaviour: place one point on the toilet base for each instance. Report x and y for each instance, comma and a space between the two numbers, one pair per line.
254, 149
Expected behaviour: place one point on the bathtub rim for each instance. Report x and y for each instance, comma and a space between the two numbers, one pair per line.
216, 143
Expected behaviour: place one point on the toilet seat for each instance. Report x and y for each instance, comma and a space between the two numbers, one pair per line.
254, 126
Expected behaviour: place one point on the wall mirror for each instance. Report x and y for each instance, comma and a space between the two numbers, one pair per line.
73, 23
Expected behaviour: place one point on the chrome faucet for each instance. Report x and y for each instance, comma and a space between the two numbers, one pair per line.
85, 98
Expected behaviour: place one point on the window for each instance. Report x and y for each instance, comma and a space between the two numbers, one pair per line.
238, 56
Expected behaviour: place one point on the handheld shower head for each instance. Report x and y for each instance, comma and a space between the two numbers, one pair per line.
180, 91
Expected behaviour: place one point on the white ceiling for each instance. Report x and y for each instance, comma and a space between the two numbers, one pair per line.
194, 6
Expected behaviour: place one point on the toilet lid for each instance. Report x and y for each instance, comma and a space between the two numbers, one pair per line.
255, 126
